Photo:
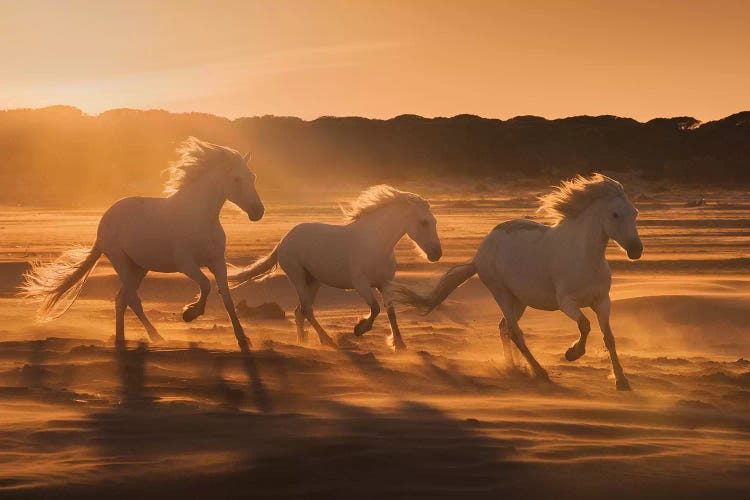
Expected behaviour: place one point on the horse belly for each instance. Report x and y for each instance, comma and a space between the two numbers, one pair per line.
319, 250
520, 264
138, 228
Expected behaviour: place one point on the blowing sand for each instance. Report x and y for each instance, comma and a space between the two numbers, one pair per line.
191, 418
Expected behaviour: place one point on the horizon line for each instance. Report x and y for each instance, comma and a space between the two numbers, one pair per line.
323, 117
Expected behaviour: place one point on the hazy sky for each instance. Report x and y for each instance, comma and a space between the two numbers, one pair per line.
380, 58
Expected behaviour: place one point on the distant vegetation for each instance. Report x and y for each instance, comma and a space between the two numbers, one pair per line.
60, 155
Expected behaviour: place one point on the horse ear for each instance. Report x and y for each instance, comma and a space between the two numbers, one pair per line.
246, 158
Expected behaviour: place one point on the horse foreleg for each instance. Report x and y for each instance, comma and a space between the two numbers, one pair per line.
602, 310
219, 271
364, 289
571, 310
394, 340
197, 308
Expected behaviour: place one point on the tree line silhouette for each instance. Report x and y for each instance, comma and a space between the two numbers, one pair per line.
61, 155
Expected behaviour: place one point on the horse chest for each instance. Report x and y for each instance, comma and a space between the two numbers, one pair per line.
381, 272
585, 286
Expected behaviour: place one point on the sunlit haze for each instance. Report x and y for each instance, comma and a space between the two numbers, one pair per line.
641, 59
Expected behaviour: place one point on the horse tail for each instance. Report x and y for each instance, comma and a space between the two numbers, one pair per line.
424, 303
257, 271
58, 284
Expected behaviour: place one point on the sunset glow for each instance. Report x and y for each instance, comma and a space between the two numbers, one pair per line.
379, 59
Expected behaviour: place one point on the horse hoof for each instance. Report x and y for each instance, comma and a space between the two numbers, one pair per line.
573, 354
622, 384
344, 342
244, 343
543, 376
328, 342
361, 328
395, 345
155, 338
190, 313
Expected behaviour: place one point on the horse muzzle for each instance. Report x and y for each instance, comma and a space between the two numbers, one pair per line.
434, 254
635, 250
255, 213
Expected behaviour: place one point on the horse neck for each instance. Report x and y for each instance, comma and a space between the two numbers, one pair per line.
201, 200
384, 227
586, 234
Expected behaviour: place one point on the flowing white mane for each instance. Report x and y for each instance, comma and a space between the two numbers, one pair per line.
196, 157
376, 197
574, 196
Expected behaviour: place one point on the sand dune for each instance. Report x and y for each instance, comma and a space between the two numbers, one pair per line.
448, 418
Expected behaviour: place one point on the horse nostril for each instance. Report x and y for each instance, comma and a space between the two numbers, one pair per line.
256, 212
435, 254
635, 250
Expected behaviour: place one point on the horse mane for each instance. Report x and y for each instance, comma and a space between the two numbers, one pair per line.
196, 157
573, 196
377, 197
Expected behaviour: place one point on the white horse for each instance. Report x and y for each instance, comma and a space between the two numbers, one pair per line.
356, 256
179, 233
563, 267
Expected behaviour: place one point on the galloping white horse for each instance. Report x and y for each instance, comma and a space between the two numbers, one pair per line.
527, 264
356, 256
179, 233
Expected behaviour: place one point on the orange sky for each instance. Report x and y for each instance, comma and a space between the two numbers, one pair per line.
639, 58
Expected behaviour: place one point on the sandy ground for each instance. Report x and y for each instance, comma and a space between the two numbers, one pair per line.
446, 419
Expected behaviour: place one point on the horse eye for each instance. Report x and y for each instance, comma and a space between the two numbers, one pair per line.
614, 215
237, 180
424, 223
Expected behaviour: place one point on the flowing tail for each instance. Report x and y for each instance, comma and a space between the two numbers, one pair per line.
257, 271
57, 284
455, 277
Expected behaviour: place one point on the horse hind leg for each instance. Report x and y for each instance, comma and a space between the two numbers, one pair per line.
507, 341
311, 291
299, 320
323, 337
307, 288
134, 301
120, 306
131, 277
510, 307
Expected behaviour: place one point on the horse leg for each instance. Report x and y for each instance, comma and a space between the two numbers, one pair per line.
307, 301
307, 288
298, 279
219, 270
602, 310
134, 301
571, 310
506, 339
129, 279
120, 306
299, 320
510, 305
364, 289
394, 340
198, 307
